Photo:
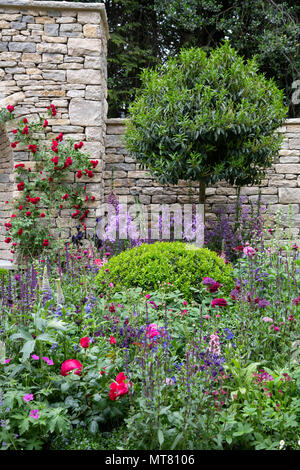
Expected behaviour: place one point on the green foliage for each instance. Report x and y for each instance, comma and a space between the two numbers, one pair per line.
206, 118
152, 267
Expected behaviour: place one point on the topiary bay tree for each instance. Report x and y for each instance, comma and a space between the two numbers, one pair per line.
206, 118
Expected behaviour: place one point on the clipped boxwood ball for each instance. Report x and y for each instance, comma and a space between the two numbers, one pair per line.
149, 265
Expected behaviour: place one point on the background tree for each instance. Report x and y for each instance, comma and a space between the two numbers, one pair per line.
206, 117
145, 33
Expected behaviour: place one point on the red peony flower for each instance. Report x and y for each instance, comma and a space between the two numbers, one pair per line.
69, 365
214, 287
85, 342
218, 302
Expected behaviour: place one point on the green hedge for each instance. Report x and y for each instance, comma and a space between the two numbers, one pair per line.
149, 265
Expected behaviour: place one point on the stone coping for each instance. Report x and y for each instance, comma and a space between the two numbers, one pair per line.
32, 4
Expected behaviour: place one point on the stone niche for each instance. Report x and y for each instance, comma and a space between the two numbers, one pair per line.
54, 53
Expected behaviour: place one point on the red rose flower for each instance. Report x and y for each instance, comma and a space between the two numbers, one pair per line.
21, 186
54, 147
65, 197
78, 146
79, 174
69, 365
33, 148
54, 160
28, 213
15, 131
89, 173
25, 121
20, 165
10, 108
45, 242
112, 340
42, 215
7, 240
85, 342
45, 124
25, 130
94, 163
52, 110
14, 144
20, 231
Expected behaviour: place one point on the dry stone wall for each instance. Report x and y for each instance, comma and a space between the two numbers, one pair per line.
55, 53
6, 185
279, 189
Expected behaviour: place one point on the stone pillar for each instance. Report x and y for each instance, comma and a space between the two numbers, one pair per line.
55, 53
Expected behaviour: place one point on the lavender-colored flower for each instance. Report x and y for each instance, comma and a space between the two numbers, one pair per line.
207, 281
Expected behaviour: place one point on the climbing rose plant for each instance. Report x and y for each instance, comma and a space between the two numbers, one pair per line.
45, 188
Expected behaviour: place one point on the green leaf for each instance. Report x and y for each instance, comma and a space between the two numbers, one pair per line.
27, 349
93, 427
160, 437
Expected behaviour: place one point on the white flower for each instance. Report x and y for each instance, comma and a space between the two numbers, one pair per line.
281, 444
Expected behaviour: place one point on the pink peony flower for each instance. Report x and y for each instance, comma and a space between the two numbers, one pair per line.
69, 365
249, 251
218, 302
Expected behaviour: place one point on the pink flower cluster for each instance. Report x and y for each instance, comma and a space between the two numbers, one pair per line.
214, 345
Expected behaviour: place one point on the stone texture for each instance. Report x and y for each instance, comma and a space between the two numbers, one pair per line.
289, 195
84, 112
84, 76
82, 47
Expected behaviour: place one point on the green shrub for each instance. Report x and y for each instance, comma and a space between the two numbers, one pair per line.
3, 273
148, 266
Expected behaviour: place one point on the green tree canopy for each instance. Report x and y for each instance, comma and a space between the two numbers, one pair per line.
206, 117
144, 33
